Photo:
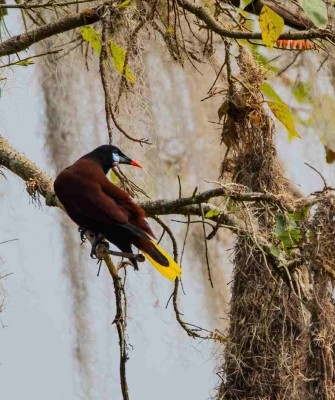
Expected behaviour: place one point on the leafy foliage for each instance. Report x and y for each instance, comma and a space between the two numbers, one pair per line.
92, 37
269, 92
118, 55
281, 110
285, 116
287, 229
116, 52
271, 25
212, 213
124, 4
25, 63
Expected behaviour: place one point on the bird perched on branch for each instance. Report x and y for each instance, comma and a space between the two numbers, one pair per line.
96, 204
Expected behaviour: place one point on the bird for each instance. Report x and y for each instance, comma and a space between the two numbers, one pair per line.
93, 202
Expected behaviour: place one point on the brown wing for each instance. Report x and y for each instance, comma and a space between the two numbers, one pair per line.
86, 198
135, 212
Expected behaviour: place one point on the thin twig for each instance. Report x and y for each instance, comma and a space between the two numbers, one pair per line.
202, 14
170, 233
120, 321
289, 64
140, 141
319, 173
121, 303
28, 6
21, 42
185, 238
216, 78
104, 76
22, 60
206, 247
8, 241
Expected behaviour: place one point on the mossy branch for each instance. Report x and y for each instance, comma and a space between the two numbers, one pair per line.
88, 16
21, 42
20, 165
203, 15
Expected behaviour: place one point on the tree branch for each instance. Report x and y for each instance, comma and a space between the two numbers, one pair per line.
51, 3
42, 184
21, 166
39, 182
292, 13
88, 16
21, 42
201, 13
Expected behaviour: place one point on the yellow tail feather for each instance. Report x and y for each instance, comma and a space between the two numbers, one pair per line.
172, 271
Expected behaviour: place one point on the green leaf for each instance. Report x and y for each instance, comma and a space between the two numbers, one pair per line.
118, 55
299, 215
261, 59
316, 11
212, 213
124, 4
287, 231
280, 227
285, 116
302, 92
275, 251
269, 92
92, 37
271, 25
25, 63
114, 177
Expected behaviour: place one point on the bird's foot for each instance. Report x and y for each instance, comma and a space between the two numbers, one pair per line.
99, 266
138, 257
82, 230
124, 264
99, 247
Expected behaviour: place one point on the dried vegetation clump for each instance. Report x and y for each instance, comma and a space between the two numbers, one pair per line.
248, 131
282, 318
267, 348
321, 256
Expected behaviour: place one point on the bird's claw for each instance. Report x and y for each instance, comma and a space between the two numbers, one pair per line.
98, 247
124, 264
140, 257
82, 231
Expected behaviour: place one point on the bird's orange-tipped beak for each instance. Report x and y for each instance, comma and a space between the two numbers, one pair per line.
136, 164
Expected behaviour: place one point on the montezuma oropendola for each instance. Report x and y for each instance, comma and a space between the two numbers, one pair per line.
95, 203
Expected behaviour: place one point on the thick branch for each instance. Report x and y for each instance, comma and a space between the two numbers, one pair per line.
88, 16
291, 13
42, 184
49, 4
201, 13
21, 42
169, 207
21, 166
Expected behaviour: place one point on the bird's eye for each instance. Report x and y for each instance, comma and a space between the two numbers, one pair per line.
115, 159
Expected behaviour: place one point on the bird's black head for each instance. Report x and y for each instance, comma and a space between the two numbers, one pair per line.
109, 156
